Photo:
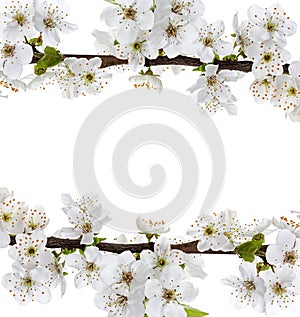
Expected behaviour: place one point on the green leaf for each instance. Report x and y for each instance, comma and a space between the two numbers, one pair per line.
233, 35
81, 251
116, 42
259, 237
261, 266
193, 312
231, 57
36, 41
248, 250
51, 58
98, 240
68, 251
201, 68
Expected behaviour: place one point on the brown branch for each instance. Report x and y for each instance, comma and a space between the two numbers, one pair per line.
188, 247
108, 61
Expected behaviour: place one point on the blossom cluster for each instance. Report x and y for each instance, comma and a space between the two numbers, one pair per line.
155, 281
146, 30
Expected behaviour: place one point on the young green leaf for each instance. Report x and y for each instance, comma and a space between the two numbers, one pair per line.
193, 312
248, 250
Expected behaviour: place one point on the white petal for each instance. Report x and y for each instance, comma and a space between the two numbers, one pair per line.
153, 288
12, 69
174, 309
40, 274
42, 294
87, 238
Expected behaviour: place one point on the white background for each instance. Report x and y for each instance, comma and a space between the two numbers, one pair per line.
38, 131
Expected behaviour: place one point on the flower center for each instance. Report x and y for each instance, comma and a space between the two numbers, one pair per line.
177, 7
20, 18
48, 22
211, 80
6, 217
32, 225
268, 57
31, 251
137, 46
28, 282
161, 262
290, 257
292, 91
89, 78
209, 231
249, 285
91, 267
278, 289
8, 50
127, 278
270, 26
129, 13
87, 228
207, 41
169, 295
171, 30
121, 300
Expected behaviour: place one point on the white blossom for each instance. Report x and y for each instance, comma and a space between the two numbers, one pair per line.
88, 267
4, 193
210, 42
241, 33
127, 17
262, 89
30, 250
57, 277
4, 237
211, 92
35, 219
12, 58
162, 256
166, 294
259, 226
16, 20
193, 265
50, 19
137, 51
12, 215
79, 76
286, 94
248, 289
28, 285
284, 223
270, 23
147, 80
122, 304
104, 42
125, 272
216, 232
285, 251
149, 226
14, 85
172, 35
295, 114
190, 10
282, 288
268, 58
86, 215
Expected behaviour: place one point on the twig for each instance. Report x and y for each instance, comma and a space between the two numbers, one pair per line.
188, 247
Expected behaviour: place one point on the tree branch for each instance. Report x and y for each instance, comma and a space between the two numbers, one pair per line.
188, 247
109, 60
